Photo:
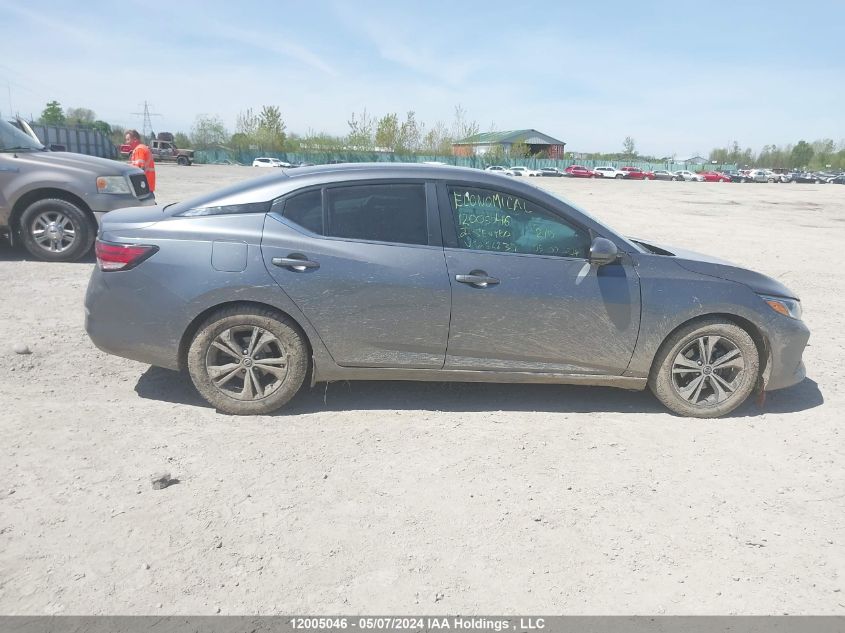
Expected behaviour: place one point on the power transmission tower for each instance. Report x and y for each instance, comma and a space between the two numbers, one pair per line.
147, 131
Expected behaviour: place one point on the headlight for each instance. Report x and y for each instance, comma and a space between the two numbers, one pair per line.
113, 184
786, 307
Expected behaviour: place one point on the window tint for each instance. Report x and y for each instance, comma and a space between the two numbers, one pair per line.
492, 221
306, 210
382, 213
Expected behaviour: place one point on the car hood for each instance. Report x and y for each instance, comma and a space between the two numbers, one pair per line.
79, 162
719, 268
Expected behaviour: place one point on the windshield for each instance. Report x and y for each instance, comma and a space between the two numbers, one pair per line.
11, 138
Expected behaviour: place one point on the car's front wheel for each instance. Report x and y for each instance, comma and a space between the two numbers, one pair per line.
248, 361
706, 369
56, 230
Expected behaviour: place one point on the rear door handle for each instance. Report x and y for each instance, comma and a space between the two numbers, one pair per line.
477, 278
295, 262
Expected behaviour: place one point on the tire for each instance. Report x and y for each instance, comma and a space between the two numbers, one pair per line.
705, 401
247, 327
183, 160
618, 176
56, 230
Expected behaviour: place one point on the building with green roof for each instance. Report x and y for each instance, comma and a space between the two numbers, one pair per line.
537, 142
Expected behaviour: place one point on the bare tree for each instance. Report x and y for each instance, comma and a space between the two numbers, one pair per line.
360, 131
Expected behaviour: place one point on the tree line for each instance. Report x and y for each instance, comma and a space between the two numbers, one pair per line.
815, 156
265, 130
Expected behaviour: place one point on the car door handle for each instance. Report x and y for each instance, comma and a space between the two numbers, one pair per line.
477, 278
296, 263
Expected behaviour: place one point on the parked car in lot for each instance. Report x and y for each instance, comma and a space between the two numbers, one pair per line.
552, 172
609, 172
838, 180
803, 177
662, 174
762, 175
714, 176
269, 162
771, 176
689, 176
498, 169
738, 176
414, 272
635, 173
579, 171
524, 171
51, 201
824, 176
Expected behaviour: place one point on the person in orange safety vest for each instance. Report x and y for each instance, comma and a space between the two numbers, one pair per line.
141, 157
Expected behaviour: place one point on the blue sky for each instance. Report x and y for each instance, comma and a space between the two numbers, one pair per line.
679, 77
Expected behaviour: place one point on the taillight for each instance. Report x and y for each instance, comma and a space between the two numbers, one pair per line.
111, 256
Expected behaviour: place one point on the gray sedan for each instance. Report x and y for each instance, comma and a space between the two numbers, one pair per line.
413, 272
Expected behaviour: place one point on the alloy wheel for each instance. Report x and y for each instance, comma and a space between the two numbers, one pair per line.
708, 370
246, 362
53, 231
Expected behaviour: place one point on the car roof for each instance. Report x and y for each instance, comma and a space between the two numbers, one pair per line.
283, 181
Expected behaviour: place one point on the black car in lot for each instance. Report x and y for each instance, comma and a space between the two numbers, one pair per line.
551, 172
839, 180
804, 177
737, 176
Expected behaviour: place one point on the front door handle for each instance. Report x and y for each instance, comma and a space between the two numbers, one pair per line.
295, 262
477, 278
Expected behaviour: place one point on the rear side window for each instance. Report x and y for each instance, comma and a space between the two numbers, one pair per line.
378, 212
306, 210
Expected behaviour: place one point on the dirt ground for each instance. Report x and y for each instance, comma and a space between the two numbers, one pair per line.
404, 498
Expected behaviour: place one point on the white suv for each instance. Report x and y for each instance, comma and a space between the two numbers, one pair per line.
524, 171
504, 171
609, 172
269, 162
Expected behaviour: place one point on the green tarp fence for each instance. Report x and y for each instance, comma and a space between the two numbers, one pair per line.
232, 157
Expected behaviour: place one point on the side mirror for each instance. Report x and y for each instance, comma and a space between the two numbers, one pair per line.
603, 251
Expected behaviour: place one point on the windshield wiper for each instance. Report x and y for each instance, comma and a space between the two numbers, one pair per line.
22, 148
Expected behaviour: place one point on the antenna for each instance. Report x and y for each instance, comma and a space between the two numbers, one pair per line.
148, 124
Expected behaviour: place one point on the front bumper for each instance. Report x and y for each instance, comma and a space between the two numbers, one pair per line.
787, 340
104, 202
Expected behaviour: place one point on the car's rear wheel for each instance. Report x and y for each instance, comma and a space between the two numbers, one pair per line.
248, 361
618, 176
183, 160
56, 230
706, 369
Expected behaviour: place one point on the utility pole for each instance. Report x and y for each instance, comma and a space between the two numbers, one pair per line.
147, 130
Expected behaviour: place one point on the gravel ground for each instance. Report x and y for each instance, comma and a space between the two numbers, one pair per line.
402, 498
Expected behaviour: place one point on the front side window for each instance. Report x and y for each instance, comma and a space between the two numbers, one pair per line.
489, 220
378, 212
